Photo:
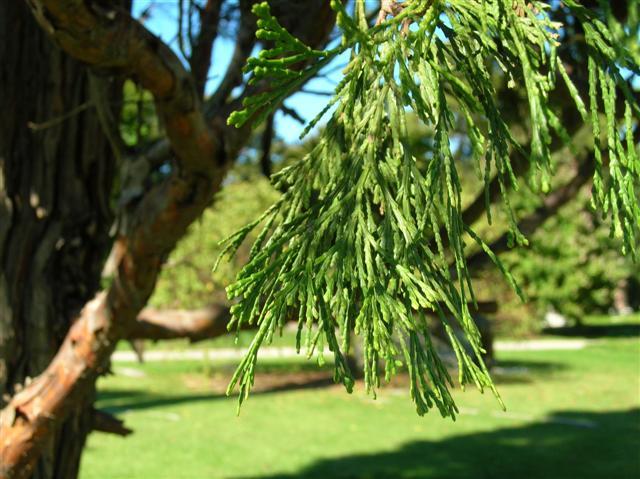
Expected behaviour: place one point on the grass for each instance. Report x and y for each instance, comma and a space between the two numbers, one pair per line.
570, 414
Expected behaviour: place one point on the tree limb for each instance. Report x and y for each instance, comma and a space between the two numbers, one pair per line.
108, 39
111, 39
211, 322
245, 41
200, 60
266, 141
195, 325
105, 422
520, 165
549, 207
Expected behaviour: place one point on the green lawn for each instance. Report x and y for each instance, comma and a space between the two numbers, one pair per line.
570, 414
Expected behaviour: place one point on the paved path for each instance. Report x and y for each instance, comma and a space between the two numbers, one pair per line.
288, 352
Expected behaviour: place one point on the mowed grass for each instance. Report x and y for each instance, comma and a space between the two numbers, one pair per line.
570, 414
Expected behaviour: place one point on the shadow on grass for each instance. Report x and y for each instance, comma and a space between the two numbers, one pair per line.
568, 445
620, 330
118, 401
280, 379
523, 372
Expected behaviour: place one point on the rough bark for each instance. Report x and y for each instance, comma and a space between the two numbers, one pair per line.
109, 40
56, 172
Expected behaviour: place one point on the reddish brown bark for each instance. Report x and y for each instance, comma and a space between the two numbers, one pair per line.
195, 325
113, 40
110, 40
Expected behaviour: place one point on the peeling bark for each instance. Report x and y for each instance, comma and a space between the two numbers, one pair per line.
110, 41
55, 182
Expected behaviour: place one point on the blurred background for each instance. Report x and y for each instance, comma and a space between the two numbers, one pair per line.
566, 362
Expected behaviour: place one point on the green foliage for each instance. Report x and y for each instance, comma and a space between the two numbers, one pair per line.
139, 121
573, 265
354, 243
273, 64
618, 195
186, 280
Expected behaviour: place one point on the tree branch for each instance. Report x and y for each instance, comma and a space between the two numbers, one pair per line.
110, 40
292, 113
195, 325
200, 60
520, 165
245, 41
105, 422
266, 141
389, 7
211, 322
549, 207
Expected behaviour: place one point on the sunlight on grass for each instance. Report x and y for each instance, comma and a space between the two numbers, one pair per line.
569, 414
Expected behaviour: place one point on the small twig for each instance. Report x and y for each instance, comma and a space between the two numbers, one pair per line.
521, 8
316, 92
61, 119
389, 7
99, 93
267, 140
181, 29
190, 26
393, 8
105, 422
293, 114
201, 50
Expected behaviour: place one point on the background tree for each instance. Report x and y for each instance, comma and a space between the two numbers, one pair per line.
167, 184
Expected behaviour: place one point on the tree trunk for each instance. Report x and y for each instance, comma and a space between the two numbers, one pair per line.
56, 173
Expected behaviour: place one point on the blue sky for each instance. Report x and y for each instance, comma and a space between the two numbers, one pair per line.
163, 18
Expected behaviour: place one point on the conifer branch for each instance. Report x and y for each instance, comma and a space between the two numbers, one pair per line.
348, 248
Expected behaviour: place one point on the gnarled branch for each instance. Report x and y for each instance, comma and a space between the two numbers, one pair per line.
108, 39
112, 40
211, 322
195, 325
